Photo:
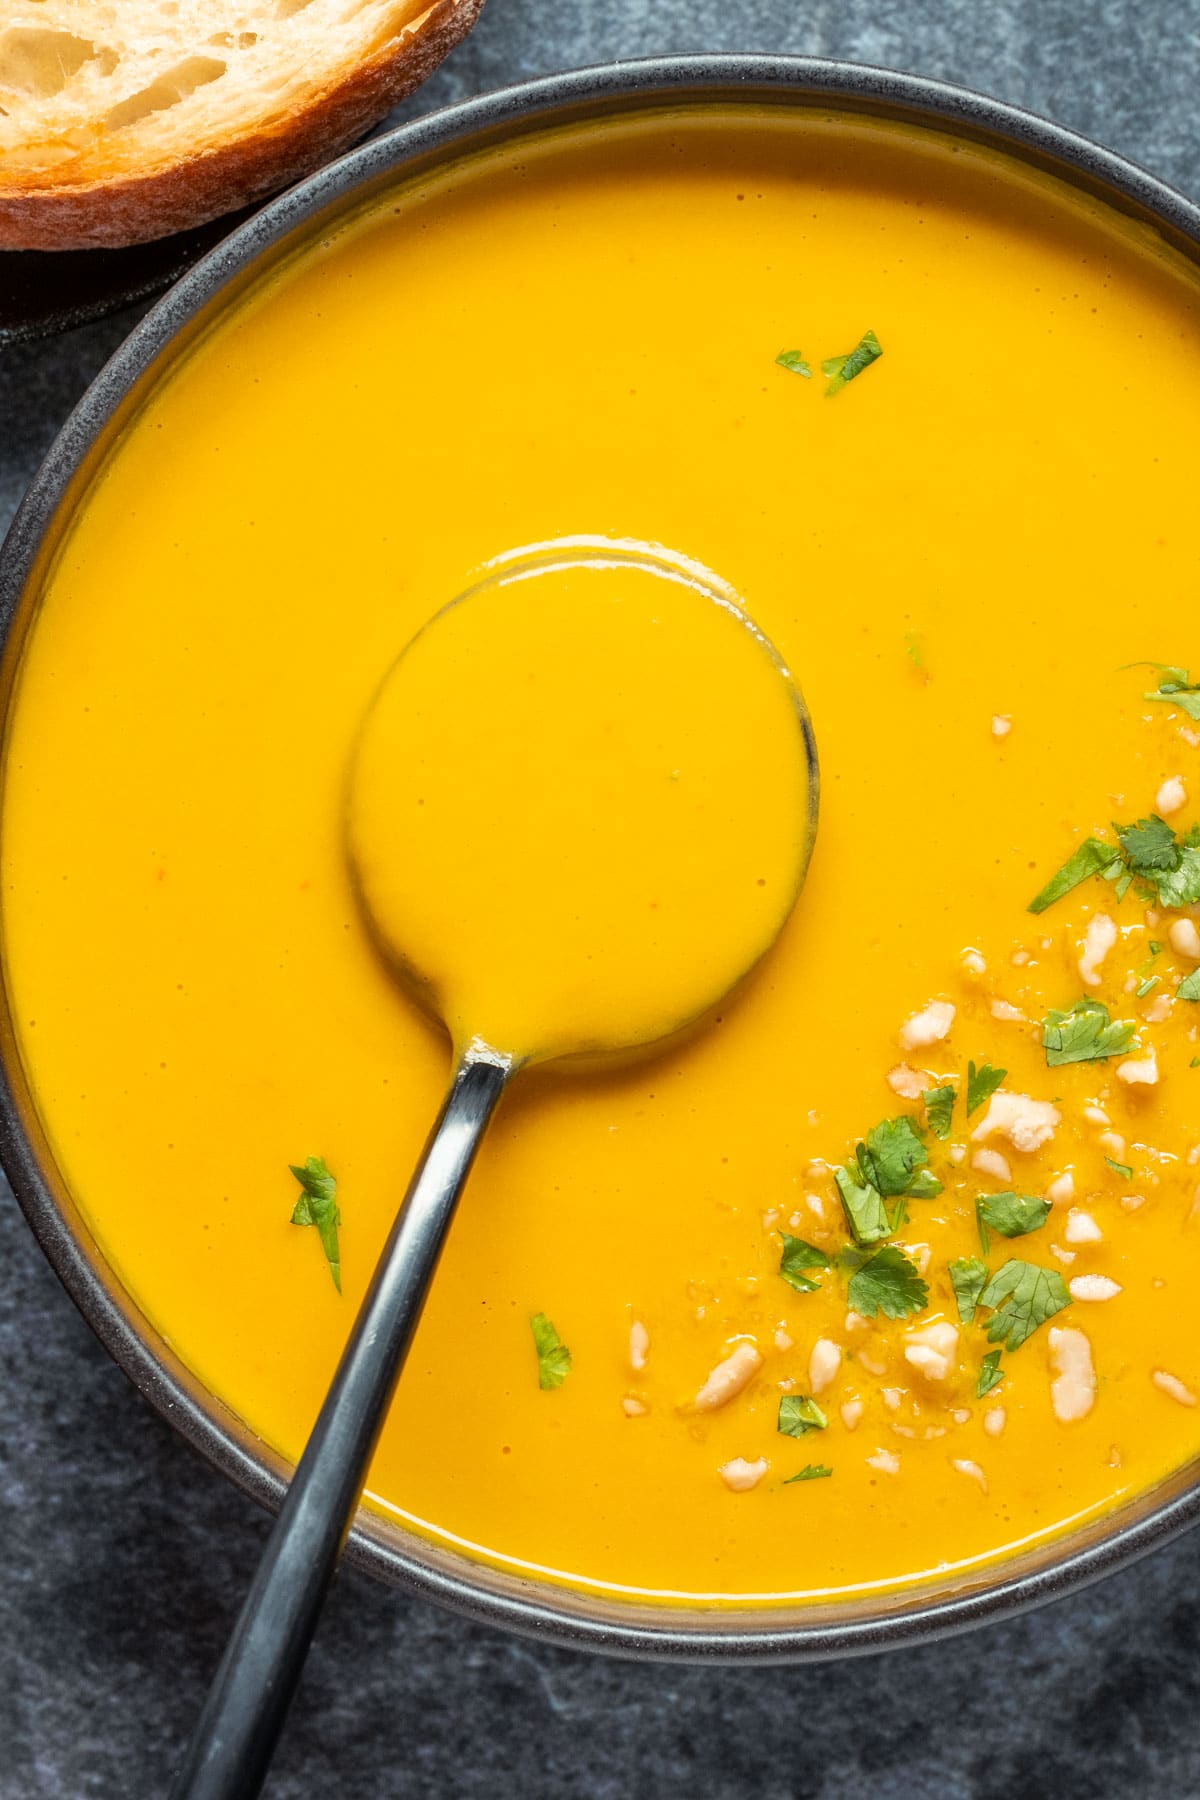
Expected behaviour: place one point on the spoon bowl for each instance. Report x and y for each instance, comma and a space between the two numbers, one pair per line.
582, 803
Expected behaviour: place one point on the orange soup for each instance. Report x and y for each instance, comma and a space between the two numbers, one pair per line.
891, 1269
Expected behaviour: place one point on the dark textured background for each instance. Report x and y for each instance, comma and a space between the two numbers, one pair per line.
124, 1556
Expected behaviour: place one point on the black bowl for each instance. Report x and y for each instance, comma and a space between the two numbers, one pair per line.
869, 1622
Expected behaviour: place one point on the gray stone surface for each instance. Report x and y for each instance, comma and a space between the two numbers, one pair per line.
124, 1556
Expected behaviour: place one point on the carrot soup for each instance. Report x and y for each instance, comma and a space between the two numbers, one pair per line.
890, 1270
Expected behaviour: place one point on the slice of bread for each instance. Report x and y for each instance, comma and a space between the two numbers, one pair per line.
121, 122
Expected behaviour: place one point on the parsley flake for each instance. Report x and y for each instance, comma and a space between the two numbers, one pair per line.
841, 369
968, 1278
990, 1375
1084, 1033
810, 1472
1024, 1297
1189, 987
1011, 1215
797, 1257
887, 1282
939, 1109
1122, 1169
982, 1083
797, 1415
554, 1359
318, 1206
794, 360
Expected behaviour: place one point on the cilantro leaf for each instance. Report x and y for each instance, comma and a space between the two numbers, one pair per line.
318, 1206
1171, 865
1012, 1215
1084, 1033
891, 1156
866, 1215
798, 1256
794, 360
1149, 845
810, 1472
1175, 687
1181, 886
990, 1375
887, 1282
841, 369
798, 1415
1189, 987
1024, 1297
982, 1083
968, 1278
1093, 857
554, 1359
924, 1185
939, 1109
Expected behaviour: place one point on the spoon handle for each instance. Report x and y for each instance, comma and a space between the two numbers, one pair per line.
253, 1686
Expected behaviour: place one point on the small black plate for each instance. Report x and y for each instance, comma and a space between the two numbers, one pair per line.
46, 291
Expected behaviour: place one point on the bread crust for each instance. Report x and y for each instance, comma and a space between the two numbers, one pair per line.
40, 214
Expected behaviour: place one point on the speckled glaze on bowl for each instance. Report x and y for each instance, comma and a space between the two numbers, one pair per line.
803, 1633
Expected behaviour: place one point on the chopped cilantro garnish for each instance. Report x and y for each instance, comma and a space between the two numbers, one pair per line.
1175, 687
1012, 1215
866, 1215
810, 1472
982, 1083
923, 1186
1093, 857
1119, 1168
318, 1206
841, 369
990, 1375
1145, 987
1155, 947
968, 1278
794, 360
1189, 987
1084, 1033
887, 1282
891, 1156
1169, 864
1148, 851
554, 1359
1024, 1297
797, 1414
797, 1257
939, 1109
1195, 1063
1149, 845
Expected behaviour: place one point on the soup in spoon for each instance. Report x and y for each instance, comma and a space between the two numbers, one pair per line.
582, 804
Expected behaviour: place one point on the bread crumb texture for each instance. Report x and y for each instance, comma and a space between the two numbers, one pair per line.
119, 124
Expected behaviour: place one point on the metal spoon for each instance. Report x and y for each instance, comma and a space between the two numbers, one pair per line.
254, 1684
